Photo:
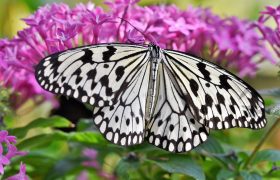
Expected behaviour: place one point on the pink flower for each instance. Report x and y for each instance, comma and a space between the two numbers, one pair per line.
5, 157
134, 37
21, 175
91, 161
90, 155
83, 176
3, 160
270, 34
12, 151
4, 137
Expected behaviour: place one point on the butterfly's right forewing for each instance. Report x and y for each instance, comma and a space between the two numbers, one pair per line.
96, 74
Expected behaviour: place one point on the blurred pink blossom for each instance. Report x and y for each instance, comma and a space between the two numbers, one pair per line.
7, 142
91, 161
90, 155
3, 160
83, 176
230, 41
21, 175
270, 34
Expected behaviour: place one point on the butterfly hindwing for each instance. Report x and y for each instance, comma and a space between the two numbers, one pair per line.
124, 122
173, 127
219, 99
95, 74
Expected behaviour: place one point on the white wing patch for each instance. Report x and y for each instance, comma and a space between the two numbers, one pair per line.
173, 127
93, 74
220, 100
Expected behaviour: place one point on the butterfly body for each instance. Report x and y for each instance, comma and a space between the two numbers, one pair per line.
169, 98
155, 60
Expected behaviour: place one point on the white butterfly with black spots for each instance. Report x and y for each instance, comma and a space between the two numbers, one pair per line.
169, 98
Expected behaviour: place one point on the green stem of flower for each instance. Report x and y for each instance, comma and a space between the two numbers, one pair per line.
257, 148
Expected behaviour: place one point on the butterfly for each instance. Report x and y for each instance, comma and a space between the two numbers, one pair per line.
140, 92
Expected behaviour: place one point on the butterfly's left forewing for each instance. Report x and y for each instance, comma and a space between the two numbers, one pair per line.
217, 98
96, 74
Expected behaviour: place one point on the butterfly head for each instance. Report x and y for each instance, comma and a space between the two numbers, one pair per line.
155, 51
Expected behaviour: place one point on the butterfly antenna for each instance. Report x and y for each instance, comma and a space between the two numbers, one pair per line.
141, 32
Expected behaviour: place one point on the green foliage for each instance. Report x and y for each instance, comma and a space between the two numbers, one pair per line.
267, 155
183, 164
4, 102
55, 121
58, 154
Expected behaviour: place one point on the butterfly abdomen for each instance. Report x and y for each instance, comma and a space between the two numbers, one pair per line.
155, 60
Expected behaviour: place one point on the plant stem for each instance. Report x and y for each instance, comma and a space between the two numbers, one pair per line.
257, 148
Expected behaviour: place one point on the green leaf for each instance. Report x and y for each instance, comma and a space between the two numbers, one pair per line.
211, 146
242, 156
36, 160
81, 137
33, 5
225, 174
41, 140
273, 174
267, 155
54, 121
87, 138
85, 124
250, 176
64, 167
126, 166
183, 164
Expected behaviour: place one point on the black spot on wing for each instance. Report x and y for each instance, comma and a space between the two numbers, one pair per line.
220, 98
224, 82
63, 78
91, 74
87, 58
171, 127
219, 108
232, 108
127, 122
119, 72
137, 120
107, 54
104, 81
204, 109
194, 87
202, 69
109, 91
160, 123
208, 100
78, 80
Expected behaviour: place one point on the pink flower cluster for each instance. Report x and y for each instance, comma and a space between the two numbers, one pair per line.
270, 34
232, 42
7, 142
